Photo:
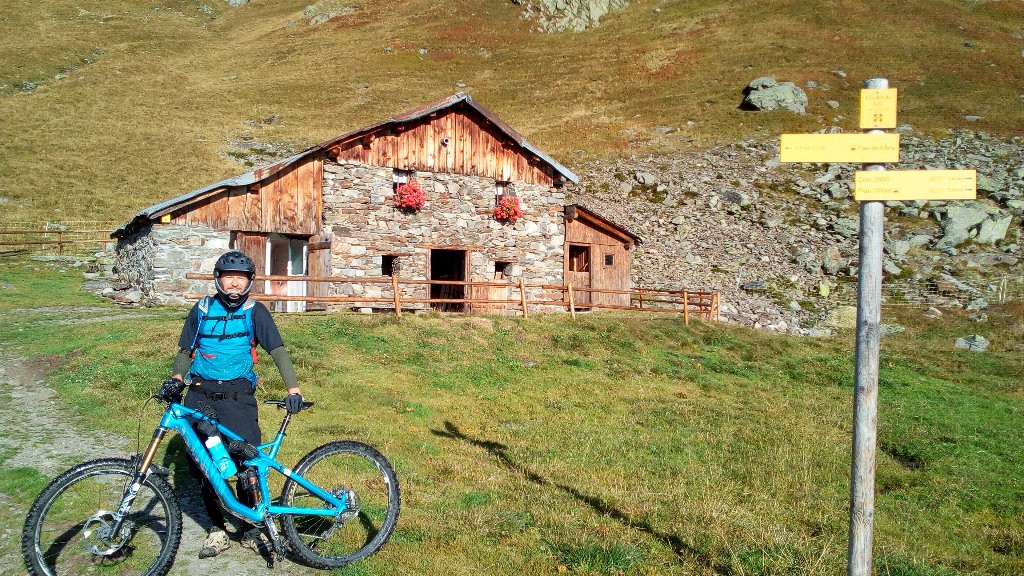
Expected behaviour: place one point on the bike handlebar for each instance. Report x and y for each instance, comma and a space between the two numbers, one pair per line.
280, 403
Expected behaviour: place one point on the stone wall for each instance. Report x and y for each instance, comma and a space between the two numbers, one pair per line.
359, 211
154, 260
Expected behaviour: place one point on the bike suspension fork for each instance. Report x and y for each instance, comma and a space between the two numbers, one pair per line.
140, 475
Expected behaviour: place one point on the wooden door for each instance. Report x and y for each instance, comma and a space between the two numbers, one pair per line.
254, 245
578, 272
319, 267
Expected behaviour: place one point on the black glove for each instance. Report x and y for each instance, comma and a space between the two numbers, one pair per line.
293, 403
170, 390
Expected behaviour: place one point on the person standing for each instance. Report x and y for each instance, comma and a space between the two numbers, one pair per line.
217, 359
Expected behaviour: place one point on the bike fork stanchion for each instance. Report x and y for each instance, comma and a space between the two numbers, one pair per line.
141, 473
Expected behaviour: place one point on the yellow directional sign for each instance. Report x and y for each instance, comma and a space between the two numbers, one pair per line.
860, 148
878, 108
916, 185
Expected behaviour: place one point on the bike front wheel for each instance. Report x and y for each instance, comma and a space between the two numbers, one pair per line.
70, 527
351, 468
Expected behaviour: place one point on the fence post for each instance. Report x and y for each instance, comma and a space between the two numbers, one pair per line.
60, 244
397, 295
641, 298
686, 308
522, 297
572, 303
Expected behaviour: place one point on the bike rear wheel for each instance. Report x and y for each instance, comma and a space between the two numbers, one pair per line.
360, 470
68, 528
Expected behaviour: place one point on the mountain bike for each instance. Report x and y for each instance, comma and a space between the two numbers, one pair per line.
339, 504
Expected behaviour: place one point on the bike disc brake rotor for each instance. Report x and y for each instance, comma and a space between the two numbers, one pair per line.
97, 538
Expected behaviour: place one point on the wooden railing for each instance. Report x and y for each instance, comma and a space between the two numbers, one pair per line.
63, 239
701, 303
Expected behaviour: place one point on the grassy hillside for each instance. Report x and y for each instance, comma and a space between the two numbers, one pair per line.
134, 103
613, 444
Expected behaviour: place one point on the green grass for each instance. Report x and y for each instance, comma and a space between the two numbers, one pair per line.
151, 92
622, 444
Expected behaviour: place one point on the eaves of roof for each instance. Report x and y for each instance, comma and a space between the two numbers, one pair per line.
259, 174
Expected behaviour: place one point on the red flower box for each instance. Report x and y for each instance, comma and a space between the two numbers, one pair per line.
508, 209
410, 196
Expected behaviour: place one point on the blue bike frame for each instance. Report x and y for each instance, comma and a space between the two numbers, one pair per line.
179, 418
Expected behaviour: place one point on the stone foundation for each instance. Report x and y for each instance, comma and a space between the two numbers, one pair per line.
155, 259
360, 213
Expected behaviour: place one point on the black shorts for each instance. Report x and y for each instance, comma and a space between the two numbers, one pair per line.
232, 400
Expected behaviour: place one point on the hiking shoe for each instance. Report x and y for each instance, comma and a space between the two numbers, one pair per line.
255, 540
215, 543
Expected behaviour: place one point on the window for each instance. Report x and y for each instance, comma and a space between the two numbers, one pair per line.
388, 265
504, 189
579, 258
400, 177
609, 260
499, 269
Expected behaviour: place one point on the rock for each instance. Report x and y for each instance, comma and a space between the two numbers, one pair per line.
662, 130
972, 342
128, 297
957, 224
832, 104
891, 268
766, 94
890, 329
832, 262
824, 288
933, 312
754, 286
919, 240
735, 197
977, 304
833, 171
846, 227
953, 283
842, 318
897, 248
972, 118
839, 73
6, 286
989, 183
568, 15
819, 332
645, 179
993, 230
795, 306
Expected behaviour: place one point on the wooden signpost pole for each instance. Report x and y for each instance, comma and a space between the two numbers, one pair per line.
872, 186
865, 381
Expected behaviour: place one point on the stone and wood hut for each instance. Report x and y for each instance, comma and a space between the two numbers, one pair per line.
329, 211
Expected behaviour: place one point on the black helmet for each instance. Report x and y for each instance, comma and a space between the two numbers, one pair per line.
234, 261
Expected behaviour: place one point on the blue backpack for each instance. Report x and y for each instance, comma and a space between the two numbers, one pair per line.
224, 355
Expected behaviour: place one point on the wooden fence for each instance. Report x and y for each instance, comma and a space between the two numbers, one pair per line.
702, 304
62, 238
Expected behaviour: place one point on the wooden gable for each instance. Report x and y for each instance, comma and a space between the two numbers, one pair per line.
455, 140
289, 202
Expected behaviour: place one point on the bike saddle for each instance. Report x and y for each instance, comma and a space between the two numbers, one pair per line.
280, 403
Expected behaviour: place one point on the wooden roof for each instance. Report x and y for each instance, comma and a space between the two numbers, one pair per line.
263, 173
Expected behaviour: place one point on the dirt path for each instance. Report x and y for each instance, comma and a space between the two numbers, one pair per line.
43, 436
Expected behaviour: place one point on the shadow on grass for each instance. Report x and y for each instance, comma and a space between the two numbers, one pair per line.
683, 550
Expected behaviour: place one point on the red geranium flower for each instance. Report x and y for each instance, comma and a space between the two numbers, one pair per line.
410, 196
508, 209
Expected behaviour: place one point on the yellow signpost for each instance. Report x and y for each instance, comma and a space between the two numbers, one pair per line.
871, 186
858, 148
877, 108
916, 185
